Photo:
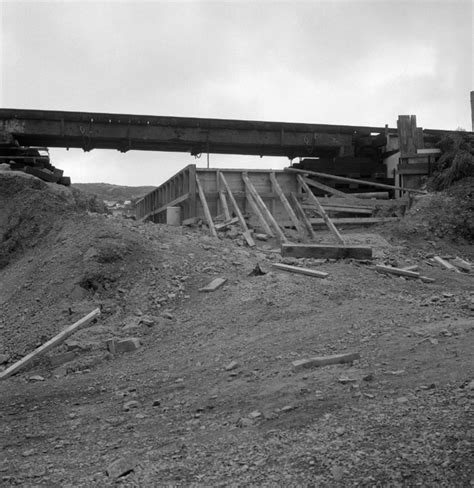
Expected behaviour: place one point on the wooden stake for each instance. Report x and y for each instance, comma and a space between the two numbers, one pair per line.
263, 207
286, 204
320, 209
56, 340
205, 207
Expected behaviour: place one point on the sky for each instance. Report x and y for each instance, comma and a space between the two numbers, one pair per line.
351, 62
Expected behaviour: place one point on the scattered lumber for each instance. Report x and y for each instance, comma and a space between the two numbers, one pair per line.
213, 285
248, 238
298, 270
327, 251
320, 209
445, 264
356, 220
413, 267
205, 207
353, 180
397, 271
463, 264
325, 360
56, 340
226, 224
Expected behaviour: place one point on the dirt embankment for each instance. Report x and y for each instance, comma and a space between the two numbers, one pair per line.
211, 398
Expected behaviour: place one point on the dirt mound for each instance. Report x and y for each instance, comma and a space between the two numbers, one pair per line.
446, 214
31, 208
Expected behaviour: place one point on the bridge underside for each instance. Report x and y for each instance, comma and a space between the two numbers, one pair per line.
179, 134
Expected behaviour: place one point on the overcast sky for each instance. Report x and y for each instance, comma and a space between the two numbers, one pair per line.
335, 62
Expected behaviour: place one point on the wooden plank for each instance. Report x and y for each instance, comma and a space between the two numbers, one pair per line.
256, 210
213, 285
327, 251
382, 195
298, 270
463, 264
320, 209
328, 189
286, 205
353, 210
325, 360
226, 224
353, 180
263, 208
234, 203
397, 271
248, 238
56, 340
445, 264
205, 207
356, 220
301, 214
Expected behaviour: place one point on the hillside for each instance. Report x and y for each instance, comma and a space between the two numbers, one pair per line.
115, 193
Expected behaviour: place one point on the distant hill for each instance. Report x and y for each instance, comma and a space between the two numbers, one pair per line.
116, 193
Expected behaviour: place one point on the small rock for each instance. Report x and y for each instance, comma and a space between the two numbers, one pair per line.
127, 406
344, 380
127, 345
255, 414
340, 430
156, 403
232, 365
120, 467
4, 358
368, 377
261, 237
402, 399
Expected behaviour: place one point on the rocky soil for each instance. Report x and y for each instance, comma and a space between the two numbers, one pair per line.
211, 398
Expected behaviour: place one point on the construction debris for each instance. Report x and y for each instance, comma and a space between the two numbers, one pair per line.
56, 340
326, 251
298, 270
213, 285
325, 360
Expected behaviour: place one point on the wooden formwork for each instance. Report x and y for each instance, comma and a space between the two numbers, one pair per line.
181, 190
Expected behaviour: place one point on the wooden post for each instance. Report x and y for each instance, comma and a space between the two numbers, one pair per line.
205, 207
320, 209
300, 211
328, 189
56, 340
263, 207
286, 204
